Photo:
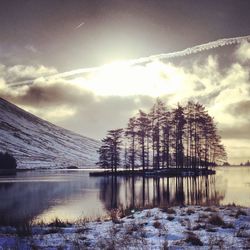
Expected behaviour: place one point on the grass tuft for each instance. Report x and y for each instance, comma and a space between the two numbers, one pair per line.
210, 209
170, 218
190, 211
194, 240
58, 223
216, 220
240, 212
169, 210
157, 224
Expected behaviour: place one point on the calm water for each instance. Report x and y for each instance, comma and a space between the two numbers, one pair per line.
72, 195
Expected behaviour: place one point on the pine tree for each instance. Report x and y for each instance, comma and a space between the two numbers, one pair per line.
156, 115
109, 152
115, 147
143, 126
179, 122
105, 153
130, 133
166, 127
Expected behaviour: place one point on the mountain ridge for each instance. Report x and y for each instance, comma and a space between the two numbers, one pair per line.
37, 143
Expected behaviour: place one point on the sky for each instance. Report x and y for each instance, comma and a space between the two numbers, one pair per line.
40, 39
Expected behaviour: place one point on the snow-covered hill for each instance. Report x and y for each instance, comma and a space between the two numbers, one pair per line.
39, 144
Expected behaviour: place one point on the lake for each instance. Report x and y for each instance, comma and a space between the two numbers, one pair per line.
73, 195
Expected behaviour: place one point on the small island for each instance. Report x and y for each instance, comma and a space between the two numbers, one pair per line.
182, 141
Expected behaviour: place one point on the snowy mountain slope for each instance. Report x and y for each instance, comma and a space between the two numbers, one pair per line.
37, 143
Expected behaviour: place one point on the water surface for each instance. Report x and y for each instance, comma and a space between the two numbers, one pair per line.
72, 194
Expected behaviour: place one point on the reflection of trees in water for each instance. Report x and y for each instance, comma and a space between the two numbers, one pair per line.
109, 189
132, 192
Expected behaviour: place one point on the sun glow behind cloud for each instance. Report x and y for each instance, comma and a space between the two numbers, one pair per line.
121, 79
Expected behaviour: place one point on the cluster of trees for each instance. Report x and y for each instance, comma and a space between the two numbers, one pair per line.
183, 137
7, 161
246, 164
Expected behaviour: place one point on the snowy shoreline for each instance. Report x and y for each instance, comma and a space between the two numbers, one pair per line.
177, 227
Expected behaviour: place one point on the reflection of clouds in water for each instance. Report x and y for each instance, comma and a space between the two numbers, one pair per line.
73, 208
33, 198
236, 181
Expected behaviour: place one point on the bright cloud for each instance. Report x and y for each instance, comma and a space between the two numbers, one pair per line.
243, 52
123, 80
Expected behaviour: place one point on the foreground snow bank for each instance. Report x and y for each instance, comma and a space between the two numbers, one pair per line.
177, 228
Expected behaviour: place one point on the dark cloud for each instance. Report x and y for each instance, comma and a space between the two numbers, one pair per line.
49, 95
240, 109
236, 131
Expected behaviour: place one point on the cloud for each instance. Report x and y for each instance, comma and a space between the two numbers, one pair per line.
56, 114
199, 86
43, 93
183, 53
236, 131
20, 73
70, 104
31, 48
94, 103
240, 109
243, 52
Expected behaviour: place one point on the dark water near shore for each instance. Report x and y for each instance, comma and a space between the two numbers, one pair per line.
72, 194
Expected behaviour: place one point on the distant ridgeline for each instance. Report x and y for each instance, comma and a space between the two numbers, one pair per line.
184, 137
7, 163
